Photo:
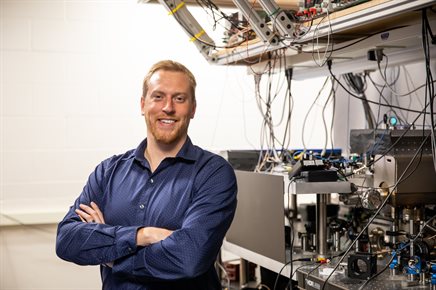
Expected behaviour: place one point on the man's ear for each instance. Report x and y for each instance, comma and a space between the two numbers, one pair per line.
194, 107
142, 106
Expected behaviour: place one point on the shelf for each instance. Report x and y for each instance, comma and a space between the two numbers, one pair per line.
319, 187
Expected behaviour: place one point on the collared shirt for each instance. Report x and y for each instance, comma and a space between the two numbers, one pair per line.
192, 194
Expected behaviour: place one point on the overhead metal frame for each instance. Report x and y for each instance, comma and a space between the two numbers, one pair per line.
198, 35
335, 25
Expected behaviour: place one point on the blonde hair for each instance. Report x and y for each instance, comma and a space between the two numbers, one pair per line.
169, 65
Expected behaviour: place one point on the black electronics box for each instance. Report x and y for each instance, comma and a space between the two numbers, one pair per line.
319, 176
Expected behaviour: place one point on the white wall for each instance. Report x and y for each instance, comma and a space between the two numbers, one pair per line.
70, 82
28, 262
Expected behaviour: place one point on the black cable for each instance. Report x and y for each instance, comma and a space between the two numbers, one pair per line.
377, 274
288, 75
313, 270
429, 92
280, 272
284, 266
358, 84
329, 65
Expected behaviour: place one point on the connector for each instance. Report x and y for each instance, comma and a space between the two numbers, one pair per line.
375, 54
329, 64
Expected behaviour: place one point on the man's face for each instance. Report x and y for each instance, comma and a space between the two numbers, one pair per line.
168, 107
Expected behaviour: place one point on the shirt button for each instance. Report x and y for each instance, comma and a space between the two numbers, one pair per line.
151, 180
130, 249
141, 206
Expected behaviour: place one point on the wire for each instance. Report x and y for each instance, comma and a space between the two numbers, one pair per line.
260, 286
358, 84
329, 64
279, 273
224, 271
429, 92
331, 96
292, 273
321, 62
308, 113
270, 154
377, 274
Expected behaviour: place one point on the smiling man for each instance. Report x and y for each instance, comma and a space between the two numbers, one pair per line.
154, 217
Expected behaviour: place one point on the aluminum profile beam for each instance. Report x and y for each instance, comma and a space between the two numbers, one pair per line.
356, 19
198, 36
257, 23
279, 17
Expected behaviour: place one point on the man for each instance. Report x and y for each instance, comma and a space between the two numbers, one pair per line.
155, 217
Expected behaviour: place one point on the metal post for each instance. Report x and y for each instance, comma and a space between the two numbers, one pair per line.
321, 224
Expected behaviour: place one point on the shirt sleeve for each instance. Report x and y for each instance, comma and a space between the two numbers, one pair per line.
191, 250
92, 243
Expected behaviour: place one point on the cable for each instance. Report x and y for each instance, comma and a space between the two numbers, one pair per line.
279, 273
269, 140
330, 96
292, 273
429, 92
329, 65
287, 135
333, 92
377, 274
308, 112
358, 84
329, 35
262, 285
226, 274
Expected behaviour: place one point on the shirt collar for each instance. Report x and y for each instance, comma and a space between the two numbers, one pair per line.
187, 151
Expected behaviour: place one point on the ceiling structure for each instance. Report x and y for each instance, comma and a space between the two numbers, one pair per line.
346, 37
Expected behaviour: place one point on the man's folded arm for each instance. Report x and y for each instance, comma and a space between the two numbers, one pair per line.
93, 243
191, 250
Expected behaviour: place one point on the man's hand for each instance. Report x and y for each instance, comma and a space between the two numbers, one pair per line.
90, 214
150, 235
